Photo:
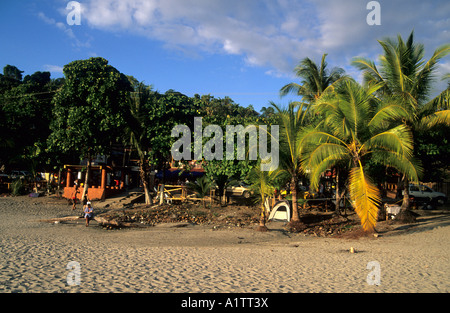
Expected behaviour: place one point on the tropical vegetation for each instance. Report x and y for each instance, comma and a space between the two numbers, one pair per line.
393, 121
407, 77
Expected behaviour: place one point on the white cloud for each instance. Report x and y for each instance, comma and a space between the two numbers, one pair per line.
53, 68
66, 29
443, 69
441, 84
274, 34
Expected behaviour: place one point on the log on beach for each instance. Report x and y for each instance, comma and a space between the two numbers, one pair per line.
61, 219
104, 221
101, 220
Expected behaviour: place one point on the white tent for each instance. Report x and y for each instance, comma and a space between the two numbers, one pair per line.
281, 211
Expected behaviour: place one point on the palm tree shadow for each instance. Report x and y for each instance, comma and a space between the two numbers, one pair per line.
425, 223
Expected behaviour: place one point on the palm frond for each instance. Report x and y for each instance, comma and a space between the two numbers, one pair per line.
370, 70
425, 75
201, 187
262, 183
291, 88
408, 166
323, 157
436, 111
440, 102
365, 197
315, 78
398, 139
388, 112
440, 117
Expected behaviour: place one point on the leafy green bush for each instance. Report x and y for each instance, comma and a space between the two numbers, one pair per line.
17, 187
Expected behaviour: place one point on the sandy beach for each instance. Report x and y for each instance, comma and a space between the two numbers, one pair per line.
34, 257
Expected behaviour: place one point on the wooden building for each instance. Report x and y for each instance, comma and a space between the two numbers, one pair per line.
105, 181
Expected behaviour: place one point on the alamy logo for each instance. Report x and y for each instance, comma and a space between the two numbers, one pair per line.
213, 148
74, 276
374, 276
74, 16
374, 16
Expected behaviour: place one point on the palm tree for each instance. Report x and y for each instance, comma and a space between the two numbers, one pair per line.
291, 121
356, 126
317, 81
135, 132
314, 79
263, 187
408, 78
201, 187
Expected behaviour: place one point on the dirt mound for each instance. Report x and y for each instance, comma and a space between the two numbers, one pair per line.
241, 216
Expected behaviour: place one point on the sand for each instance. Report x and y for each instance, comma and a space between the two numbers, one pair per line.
34, 257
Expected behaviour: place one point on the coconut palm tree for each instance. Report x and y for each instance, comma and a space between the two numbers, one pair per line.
356, 125
315, 79
291, 121
262, 186
406, 76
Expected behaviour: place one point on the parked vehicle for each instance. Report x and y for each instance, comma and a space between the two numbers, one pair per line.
20, 174
422, 193
241, 189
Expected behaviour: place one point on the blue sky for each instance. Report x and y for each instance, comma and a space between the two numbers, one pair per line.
244, 49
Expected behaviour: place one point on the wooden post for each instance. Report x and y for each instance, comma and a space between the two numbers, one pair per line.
69, 178
161, 199
103, 183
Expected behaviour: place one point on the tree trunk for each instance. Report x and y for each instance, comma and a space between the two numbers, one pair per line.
295, 216
86, 180
405, 215
338, 196
405, 202
59, 180
262, 220
143, 174
295, 225
161, 195
224, 197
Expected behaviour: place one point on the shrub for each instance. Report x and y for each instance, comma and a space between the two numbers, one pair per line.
17, 187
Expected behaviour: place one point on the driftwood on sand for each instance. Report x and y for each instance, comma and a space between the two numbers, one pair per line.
61, 219
112, 222
102, 220
106, 220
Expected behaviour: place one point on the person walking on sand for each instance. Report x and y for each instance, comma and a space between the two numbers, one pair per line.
74, 195
88, 212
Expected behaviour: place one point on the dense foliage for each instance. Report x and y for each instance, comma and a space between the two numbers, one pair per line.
389, 123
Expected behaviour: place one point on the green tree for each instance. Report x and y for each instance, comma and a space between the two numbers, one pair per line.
141, 101
432, 148
315, 79
26, 108
223, 112
357, 126
12, 72
201, 187
89, 110
262, 185
291, 121
226, 172
171, 108
407, 77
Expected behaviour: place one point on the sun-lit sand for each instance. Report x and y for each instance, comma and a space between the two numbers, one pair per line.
34, 257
